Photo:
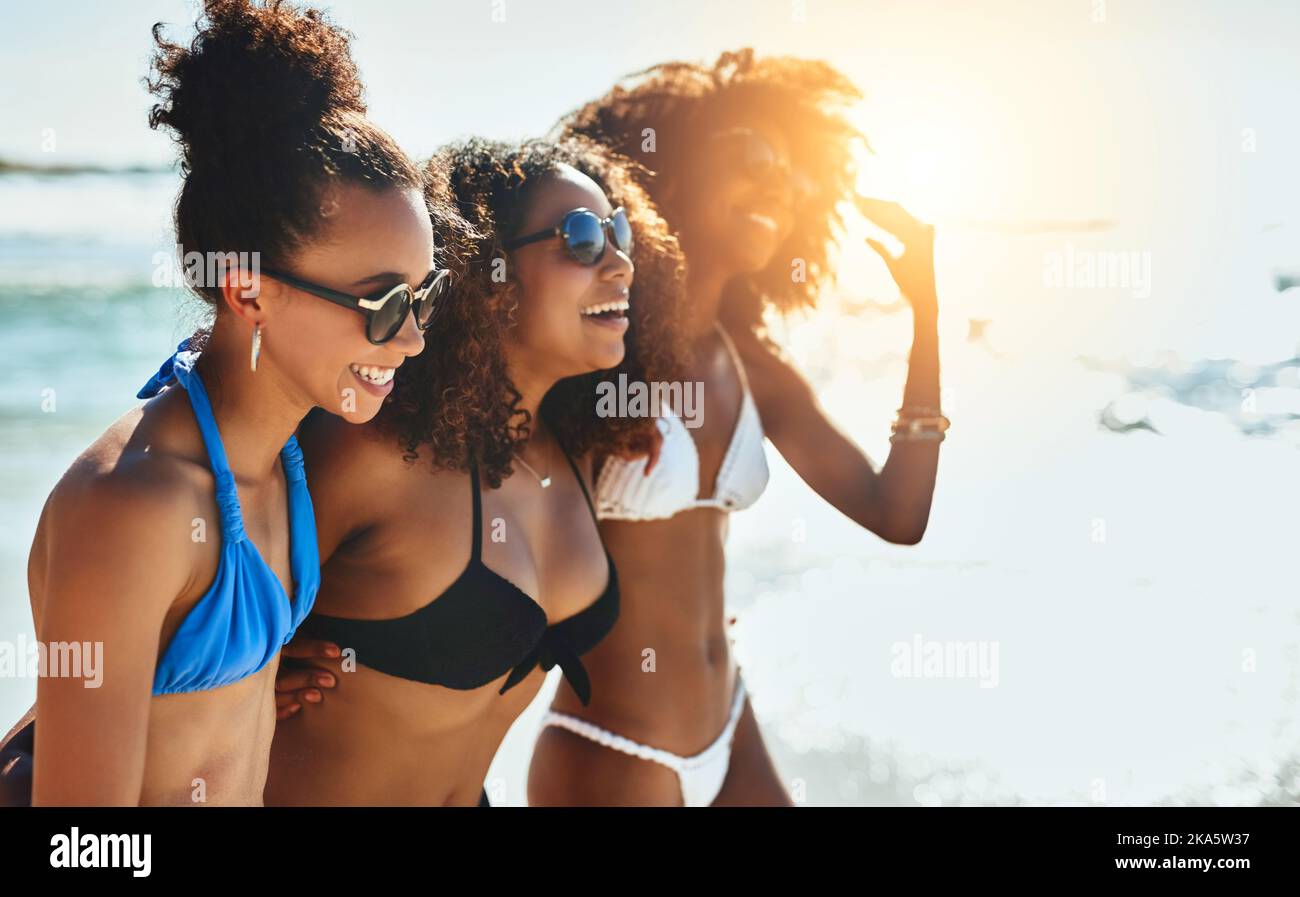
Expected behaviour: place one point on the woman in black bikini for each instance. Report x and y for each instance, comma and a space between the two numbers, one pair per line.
460, 554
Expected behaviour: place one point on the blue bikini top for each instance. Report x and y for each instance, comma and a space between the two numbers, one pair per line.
245, 617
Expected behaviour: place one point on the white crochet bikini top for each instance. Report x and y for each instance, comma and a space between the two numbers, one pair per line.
624, 492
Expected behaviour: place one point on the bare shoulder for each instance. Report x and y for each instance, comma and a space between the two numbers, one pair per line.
138, 473
360, 476
354, 463
127, 506
776, 383
760, 353
401, 522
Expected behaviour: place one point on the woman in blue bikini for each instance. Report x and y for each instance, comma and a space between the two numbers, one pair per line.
179, 551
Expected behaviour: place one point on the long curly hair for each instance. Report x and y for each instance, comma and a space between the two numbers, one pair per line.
659, 117
456, 397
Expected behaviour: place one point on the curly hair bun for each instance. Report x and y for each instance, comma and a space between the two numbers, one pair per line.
253, 81
266, 105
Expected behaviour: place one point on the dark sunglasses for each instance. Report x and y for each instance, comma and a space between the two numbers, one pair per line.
583, 232
385, 312
760, 161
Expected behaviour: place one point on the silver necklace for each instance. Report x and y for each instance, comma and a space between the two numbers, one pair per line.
545, 481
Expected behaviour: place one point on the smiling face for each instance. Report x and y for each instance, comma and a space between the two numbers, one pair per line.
571, 317
374, 241
734, 204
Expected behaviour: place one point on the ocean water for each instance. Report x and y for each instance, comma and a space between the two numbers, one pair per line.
1112, 530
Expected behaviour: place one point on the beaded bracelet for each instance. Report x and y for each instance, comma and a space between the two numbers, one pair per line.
930, 427
919, 436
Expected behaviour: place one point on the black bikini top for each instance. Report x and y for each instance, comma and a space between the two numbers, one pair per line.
482, 626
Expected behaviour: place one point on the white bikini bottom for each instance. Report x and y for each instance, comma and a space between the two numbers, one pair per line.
701, 776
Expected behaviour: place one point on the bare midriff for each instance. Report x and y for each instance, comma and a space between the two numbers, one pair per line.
383, 740
210, 748
663, 676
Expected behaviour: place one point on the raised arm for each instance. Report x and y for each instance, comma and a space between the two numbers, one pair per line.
894, 502
104, 575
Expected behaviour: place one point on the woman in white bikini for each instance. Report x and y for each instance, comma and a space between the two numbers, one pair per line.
749, 162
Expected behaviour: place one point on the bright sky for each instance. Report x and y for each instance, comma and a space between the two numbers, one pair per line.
1007, 109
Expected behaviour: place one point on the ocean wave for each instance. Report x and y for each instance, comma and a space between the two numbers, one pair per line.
1257, 399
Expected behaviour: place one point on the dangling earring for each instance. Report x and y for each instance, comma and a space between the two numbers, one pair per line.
257, 346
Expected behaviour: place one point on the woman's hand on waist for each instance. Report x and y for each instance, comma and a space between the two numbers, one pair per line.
300, 681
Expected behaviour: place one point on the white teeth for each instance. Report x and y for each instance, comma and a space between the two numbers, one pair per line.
620, 305
766, 221
373, 374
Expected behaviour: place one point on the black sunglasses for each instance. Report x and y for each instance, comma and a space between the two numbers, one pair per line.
385, 312
583, 232
760, 161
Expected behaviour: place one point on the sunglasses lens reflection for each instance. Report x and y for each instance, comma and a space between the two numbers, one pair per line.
585, 237
385, 322
760, 159
427, 307
622, 232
